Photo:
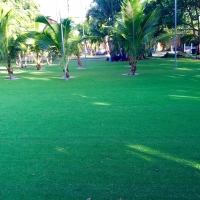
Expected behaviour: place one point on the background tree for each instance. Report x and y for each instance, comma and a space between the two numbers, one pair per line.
191, 19
188, 12
102, 13
26, 11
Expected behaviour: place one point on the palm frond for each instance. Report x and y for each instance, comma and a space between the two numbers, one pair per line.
43, 20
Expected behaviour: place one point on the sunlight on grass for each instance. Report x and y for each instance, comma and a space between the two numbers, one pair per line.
6, 72
185, 69
101, 103
172, 76
83, 96
153, 152
62, 150
177, 76
184, 97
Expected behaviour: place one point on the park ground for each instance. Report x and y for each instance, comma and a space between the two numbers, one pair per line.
101, 135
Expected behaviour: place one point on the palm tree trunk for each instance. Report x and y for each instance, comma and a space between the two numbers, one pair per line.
20, 60
38, 64
133, 62
9, 69
67, 68
79, 62
25, 60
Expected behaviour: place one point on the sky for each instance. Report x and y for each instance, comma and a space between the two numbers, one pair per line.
77, 8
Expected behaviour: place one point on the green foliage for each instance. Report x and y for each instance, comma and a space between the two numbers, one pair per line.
15, 17
102, 13
166, 19
6, 25
188, 12
135, 27
26, 11
76, 45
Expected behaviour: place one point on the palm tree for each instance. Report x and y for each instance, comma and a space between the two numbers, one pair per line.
10, 27
134, 27
50, 39
66, 24
6, 34
39, 41
77, 48
54, 33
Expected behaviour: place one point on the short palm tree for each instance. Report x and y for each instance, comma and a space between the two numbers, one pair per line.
77, 48
54, 33
38, 40
134, 27
50, 39
6, 35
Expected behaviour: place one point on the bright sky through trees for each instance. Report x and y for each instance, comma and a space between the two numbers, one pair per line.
51, 8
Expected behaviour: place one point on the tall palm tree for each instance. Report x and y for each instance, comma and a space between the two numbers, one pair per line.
67, 35
134, 27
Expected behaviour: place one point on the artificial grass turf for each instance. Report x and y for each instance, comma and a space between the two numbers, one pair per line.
101, 135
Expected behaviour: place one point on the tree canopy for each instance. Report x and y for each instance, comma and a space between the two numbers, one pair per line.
26, 11
102, 13
188, 12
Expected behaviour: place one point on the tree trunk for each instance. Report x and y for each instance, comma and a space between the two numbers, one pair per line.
38, 66
67, 72
149, 51
20, 64
11, 76
9, 69
133, 63
49, 59
67, 69
107, 47
38, 62
25, 60
79, 62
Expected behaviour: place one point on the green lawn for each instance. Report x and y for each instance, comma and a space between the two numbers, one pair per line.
101, 135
